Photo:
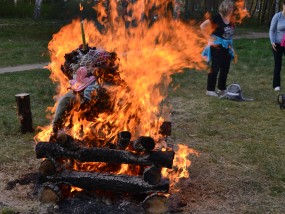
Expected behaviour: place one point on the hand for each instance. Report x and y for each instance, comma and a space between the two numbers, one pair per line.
274, 46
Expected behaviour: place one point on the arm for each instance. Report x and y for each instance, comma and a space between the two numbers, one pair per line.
272, 30
206, 28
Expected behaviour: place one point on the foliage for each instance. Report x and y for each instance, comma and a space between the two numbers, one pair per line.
60, 10
20, 10
261, 11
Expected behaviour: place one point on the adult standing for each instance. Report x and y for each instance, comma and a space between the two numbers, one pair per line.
219, 30
276, 33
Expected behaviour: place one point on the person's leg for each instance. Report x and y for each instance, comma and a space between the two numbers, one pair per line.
225, 67
277, 66
215, 67
65, 104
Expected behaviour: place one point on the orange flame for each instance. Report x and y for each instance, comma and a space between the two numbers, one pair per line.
148, 58
240, 12
181, 164
80, 7
150, 52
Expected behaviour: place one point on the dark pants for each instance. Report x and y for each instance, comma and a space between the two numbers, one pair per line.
221, 60
277, 65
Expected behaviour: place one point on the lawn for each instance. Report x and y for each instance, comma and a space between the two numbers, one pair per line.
241, 166
29, 36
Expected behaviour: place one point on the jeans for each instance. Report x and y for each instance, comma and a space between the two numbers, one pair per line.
221, 60
277, 65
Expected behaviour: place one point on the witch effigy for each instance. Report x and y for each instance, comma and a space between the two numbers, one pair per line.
90, 72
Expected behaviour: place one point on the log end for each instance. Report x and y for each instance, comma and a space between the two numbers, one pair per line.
152, 175
48, 196
47, 168
156, 203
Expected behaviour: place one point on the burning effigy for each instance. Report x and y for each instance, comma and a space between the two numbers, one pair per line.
110, 122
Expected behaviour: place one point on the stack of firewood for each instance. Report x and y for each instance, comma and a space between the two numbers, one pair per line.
57, 174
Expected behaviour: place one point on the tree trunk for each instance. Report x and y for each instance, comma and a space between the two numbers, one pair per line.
24, 112
37, 10
276, 6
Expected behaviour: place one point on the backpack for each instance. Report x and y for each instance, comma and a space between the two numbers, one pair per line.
234, 92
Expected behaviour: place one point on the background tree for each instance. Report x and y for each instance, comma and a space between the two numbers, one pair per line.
37, 10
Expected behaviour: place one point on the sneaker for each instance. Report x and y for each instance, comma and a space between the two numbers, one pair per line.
277, 88
221, 92
212, 94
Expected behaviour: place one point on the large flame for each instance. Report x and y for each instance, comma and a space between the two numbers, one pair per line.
149, 55
151, 46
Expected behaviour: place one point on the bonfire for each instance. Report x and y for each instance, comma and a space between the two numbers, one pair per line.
121, 133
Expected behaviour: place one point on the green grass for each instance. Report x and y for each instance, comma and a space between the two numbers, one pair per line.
240, 133
30, 37
15, 146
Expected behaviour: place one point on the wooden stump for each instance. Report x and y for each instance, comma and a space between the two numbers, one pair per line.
24, 112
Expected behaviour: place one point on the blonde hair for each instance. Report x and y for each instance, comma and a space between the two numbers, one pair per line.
226, 7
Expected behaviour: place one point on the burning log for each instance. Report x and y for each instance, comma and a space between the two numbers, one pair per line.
124, 138
108, 182
51, 193
144, 143
165, 128
152, 175
157, 158
47, 167
24, 112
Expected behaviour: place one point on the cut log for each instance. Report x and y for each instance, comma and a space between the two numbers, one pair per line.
24, 112
144, 143
156, 203
108, 182
124, 138
54, 150
49, 194
165, 128
52, 193
47, 167
152, 175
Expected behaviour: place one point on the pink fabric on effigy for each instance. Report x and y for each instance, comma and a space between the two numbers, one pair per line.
81, 81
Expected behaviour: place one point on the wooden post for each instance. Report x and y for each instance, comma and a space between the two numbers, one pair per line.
24, 112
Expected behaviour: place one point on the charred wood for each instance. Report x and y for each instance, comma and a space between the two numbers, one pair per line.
165, 128
124, 138
47, 167
50, 193
107, 182
157, 158
144, 143
152, 175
